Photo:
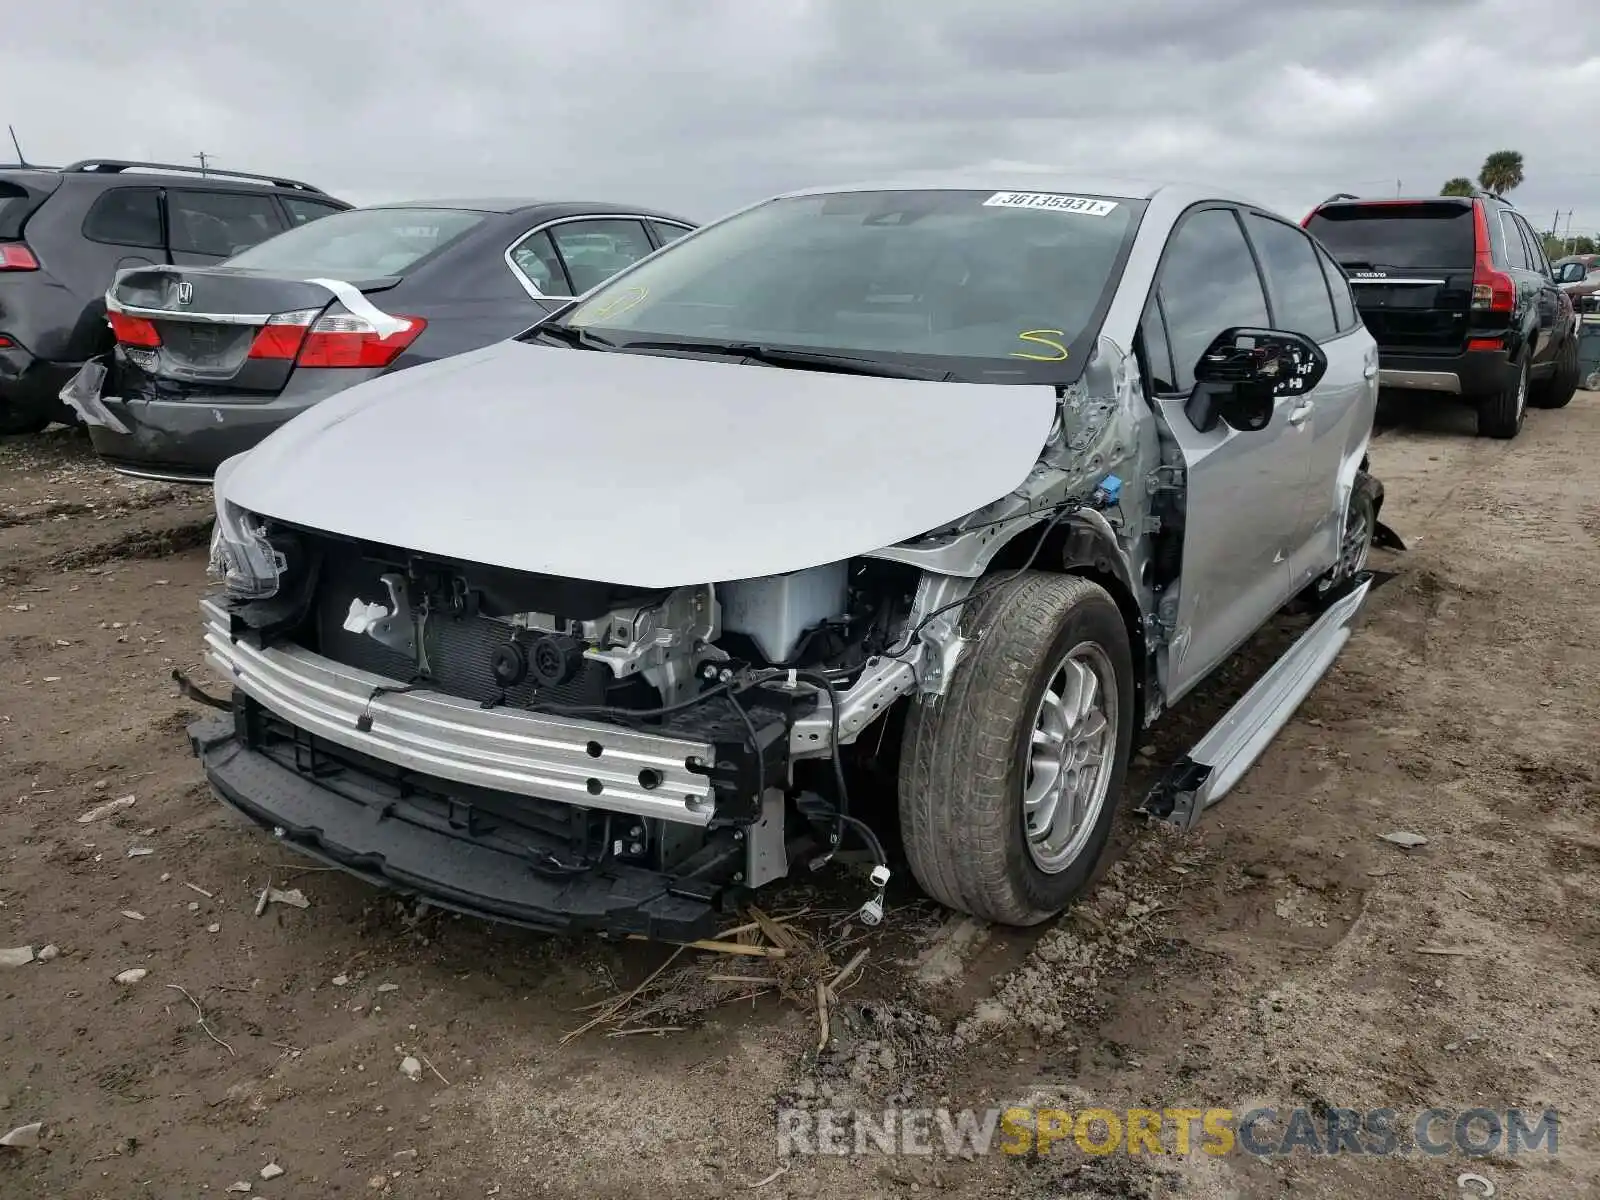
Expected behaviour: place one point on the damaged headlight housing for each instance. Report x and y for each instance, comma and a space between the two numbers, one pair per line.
243, 559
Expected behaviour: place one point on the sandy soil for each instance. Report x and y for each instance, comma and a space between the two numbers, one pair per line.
1270, 959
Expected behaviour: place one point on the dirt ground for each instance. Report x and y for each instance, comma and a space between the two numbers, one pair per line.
1277, 957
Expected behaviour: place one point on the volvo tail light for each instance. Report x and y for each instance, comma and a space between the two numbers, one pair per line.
1492, 290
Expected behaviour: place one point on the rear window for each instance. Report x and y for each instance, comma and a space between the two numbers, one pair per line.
1397, 236
361, 242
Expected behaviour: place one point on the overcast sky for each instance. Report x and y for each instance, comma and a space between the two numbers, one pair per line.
703, 105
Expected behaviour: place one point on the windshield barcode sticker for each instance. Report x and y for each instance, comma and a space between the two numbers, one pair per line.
1053, 201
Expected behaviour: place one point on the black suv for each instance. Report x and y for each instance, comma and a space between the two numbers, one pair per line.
64, 234
1461, 300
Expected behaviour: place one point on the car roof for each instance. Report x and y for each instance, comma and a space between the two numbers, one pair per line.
544, 208
1039, 181
1393, 201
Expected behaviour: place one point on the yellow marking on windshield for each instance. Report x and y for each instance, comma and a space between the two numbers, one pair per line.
1042, 337
621, 303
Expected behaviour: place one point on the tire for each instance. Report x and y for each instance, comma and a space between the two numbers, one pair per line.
966, 756
20, 420
1355, 541
1500, 415
1558, 390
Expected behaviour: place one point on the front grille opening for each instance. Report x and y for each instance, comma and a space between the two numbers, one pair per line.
460, 649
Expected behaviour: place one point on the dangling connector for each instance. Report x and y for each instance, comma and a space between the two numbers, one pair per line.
872, 911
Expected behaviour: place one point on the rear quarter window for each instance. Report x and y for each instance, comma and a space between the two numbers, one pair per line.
15, 205
1397, 236
126, 217
302, 210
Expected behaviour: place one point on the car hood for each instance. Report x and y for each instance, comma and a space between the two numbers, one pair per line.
641, 469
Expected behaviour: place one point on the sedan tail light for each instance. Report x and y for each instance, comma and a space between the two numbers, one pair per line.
283, 334
134, 331
343, 340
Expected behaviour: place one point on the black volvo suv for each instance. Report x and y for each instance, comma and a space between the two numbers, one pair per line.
65, 232
1460, 297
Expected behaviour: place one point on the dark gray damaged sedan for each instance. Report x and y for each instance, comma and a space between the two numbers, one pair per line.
210, 359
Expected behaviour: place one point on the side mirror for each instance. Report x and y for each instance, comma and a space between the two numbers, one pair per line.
1244, 371
1571, 273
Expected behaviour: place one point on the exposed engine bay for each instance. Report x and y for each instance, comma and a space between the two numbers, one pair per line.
771, 679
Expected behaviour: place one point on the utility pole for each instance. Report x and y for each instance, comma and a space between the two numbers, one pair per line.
1397, 184
204, 159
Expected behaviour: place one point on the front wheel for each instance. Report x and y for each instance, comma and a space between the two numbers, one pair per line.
1011, 781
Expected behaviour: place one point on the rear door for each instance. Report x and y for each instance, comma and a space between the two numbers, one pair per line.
207, 226
1336, 415
1244, 490
1410, 264
1539, 279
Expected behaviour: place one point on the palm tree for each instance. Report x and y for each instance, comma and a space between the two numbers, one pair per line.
1459, 186
1501, 172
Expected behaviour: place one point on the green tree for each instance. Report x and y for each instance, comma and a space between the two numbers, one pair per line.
1459, 186
1583, 245
1501, 172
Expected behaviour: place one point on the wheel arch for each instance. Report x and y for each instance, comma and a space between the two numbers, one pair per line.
1084, 544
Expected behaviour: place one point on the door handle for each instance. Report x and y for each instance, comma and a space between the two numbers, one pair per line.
1369, 370
1299, 414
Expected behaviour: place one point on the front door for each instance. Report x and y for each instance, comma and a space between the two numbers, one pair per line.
1243, 514
1337, 414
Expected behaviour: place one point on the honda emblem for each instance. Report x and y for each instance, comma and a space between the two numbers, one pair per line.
185, 292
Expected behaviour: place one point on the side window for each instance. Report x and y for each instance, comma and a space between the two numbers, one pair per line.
220, 223
667, 233
536, 259
1153, 333
126, 217
1344, 302
594, 251
1208, 284
1516, 248
1300, 297
1536, 255
301, 210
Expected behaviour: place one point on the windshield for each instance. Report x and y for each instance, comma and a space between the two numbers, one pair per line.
991, 286
1403, 236
360, 242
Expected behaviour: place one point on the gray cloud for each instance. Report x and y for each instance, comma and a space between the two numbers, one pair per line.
701, 105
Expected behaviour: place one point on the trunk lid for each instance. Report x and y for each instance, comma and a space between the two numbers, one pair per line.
1411, 267
207, 319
